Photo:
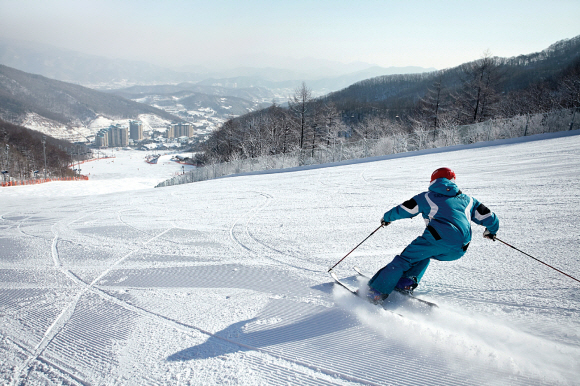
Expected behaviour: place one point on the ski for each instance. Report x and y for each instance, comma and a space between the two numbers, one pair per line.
430, 304
337, 281
355, 293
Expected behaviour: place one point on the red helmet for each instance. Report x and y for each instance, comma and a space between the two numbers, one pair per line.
443, 173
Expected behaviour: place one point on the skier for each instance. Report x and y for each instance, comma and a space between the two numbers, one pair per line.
447, 213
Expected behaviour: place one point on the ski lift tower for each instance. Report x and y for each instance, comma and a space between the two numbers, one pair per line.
5, 173
44, 151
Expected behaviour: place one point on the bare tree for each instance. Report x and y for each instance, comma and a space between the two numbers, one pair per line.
477, 94
570, 90
300, 107
287, 135
421, 134
432, 105
449, 132
227, 139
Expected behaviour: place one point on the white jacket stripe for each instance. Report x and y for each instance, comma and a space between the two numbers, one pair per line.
414, 210
434, 207
480, 217
468, 210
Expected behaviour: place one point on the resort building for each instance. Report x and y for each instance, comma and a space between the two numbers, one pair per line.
113, 136
182, 129
136, 130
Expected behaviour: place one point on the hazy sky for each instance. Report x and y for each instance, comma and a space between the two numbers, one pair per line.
426, 33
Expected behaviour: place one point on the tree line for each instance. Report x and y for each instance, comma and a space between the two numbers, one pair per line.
22, 154
518, 126
428, 104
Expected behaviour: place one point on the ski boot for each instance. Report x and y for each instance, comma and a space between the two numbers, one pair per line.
407, 285
373, 296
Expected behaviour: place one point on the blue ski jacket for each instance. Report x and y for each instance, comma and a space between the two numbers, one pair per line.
448, 214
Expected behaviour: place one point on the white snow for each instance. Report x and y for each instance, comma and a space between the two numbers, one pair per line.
151, 122
46, 126
110, 281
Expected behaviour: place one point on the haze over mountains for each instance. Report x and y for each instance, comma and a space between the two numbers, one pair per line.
194, 93
103, 73
36, 90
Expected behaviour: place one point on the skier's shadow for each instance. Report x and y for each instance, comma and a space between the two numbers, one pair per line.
250, 334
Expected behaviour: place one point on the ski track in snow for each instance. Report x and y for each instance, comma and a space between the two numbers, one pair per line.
224, 281
64, 317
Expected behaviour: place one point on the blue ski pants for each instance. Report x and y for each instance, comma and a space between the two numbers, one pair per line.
413, 261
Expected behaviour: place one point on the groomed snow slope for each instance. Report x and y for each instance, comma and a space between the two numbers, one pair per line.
109, 281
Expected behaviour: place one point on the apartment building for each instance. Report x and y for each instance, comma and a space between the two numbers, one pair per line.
102, 138
182, 129
136, 130
112, 136
118, 136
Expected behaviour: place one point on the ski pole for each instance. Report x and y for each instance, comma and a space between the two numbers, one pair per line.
355, 248
555, 269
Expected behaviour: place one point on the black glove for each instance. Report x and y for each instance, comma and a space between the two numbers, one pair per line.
488, 235
384, 223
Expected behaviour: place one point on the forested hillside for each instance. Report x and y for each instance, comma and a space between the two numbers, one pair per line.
474, 91
401, 105
22, 153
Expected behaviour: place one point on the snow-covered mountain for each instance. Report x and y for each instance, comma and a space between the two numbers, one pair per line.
63, 110
109, 281
206, 107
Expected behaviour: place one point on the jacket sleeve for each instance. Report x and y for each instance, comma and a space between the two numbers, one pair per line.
407, 209
481, 215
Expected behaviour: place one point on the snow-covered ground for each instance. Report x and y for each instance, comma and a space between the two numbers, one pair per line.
109, 281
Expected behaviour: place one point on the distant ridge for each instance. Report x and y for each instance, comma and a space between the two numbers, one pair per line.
104, 73
76, 67
399, 92
68, 104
